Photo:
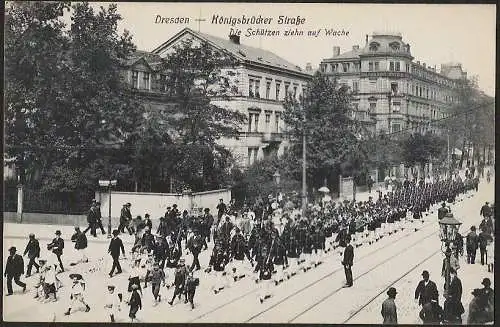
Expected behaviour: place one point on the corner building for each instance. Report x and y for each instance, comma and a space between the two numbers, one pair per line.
391, 91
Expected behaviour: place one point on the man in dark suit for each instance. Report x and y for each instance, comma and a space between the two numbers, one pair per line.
442, 211
33, 251
453, 308
57, 247
92, 219
13, 270
348, 261
426, 290
99, 217
115, 245
125, 218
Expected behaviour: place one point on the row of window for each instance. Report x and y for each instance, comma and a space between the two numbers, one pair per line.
254, 89
255, 127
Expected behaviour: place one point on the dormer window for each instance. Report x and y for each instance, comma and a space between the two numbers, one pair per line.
394, 46
374, 46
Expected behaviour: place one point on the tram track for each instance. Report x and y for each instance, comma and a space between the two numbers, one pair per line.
331, 273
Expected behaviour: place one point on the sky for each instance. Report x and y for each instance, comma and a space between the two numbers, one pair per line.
437, 33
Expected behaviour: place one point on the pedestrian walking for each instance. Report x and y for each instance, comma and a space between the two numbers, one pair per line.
389, 310
483, 239
157, 278
426, 290
431, 313
179, 280
115, 245
33, 252
191, 284
195, 245
113, 303
99, 218
134, 302
125, 219
490, 255
348, 261
92, 219
221, 210
80, 241
77, 294
57, 246
471, 245
453, 308
14, 268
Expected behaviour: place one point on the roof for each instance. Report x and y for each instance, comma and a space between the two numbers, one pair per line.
240, 51
152, 59
353, 54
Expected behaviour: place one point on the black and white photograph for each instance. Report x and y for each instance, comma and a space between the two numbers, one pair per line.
273, 163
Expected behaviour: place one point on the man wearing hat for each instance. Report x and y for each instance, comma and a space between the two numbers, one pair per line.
195, 245
134, 302
389, 311
477, 312
80, 241
33, 251
113, 302
348, 261
115, 245
92, 219
125, 218
239, 250
488, 294
57, 246
442, 211
453, 308
431, 313
207, 222
13, 270
426, 290
472, 243
76, 297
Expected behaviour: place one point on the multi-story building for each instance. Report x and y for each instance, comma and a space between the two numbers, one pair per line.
391, 91
262, 80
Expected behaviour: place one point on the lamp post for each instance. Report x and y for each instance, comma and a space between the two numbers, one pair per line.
108, 183
448, 230
277, 178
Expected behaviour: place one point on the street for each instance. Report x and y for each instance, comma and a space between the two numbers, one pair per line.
316, 296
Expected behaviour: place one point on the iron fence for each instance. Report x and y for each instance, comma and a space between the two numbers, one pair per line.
70, 203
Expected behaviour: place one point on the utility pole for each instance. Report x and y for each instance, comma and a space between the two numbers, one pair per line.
304, 167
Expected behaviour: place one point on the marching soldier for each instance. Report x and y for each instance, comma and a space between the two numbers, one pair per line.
195, 245
157, 277
191, 284
80, 241
218, 262
239, 250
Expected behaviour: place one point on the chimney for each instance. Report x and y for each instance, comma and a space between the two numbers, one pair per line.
336, 51
355, 47
408, 47
309, 67
234, 38
366, 39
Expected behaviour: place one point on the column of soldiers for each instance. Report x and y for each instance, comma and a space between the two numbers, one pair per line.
271, 242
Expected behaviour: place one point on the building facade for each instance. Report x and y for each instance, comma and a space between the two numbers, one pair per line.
262, 80
392, 91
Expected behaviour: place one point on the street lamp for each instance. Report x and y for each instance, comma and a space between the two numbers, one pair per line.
277, 178
108, 183
448, 230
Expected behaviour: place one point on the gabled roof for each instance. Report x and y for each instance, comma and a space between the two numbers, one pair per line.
153, 60
240, 51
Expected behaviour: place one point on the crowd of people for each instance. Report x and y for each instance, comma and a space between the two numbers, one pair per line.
270, 242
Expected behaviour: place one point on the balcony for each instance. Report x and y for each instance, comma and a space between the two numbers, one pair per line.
272, 137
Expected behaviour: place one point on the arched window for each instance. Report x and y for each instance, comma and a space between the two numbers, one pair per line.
394, 46
374, 46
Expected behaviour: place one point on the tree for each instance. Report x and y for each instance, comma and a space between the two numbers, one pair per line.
333, 148
201, 80
420, 148
65, 96
471, 117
